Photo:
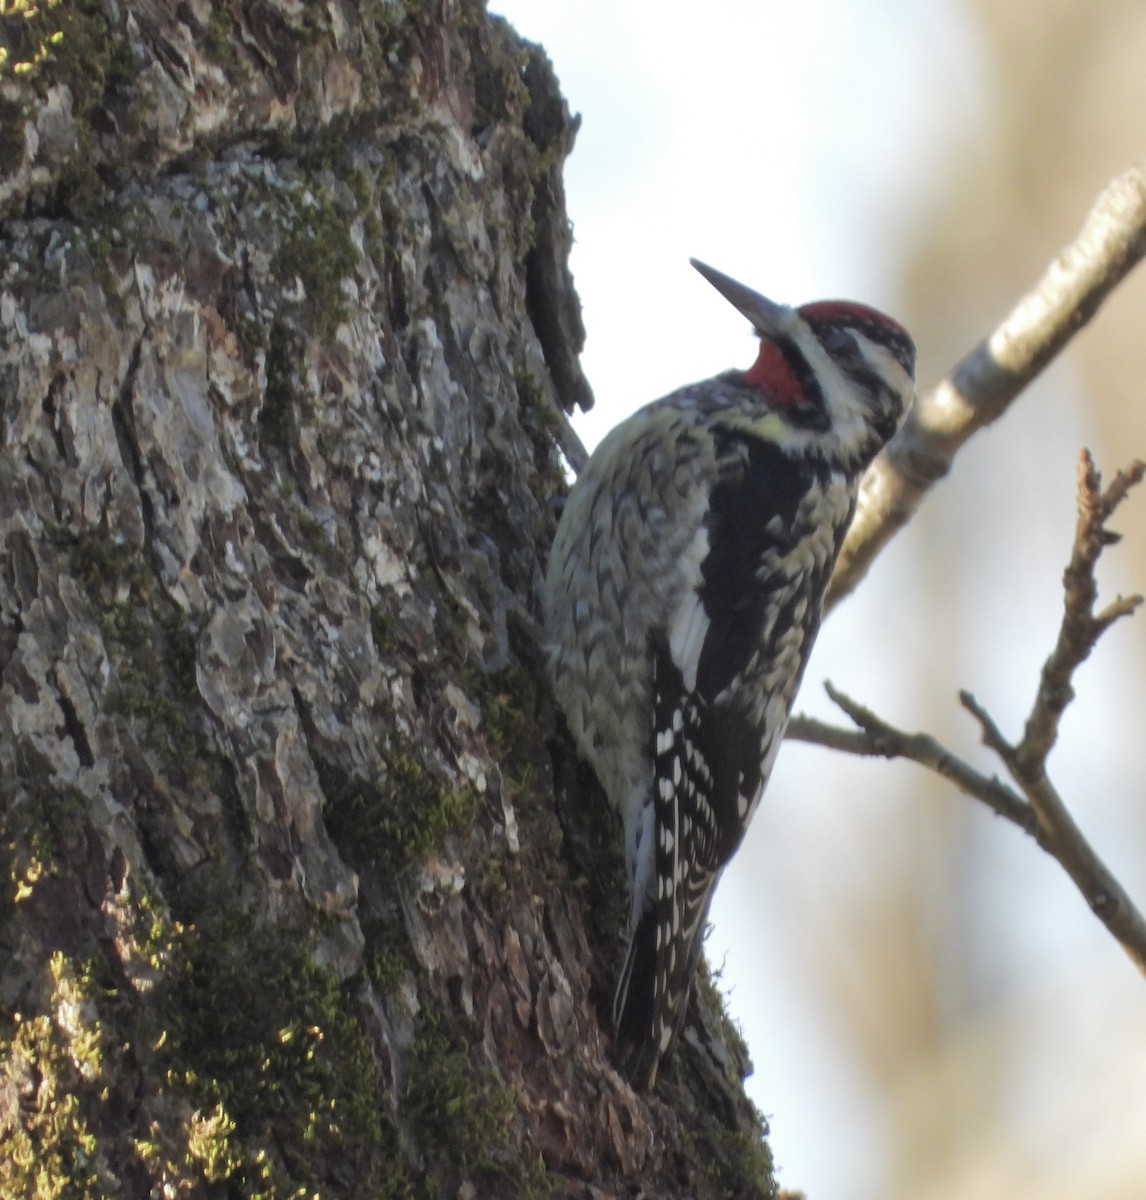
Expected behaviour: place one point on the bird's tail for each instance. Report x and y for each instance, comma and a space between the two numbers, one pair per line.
653, 990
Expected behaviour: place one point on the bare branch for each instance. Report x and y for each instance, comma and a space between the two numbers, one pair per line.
875, 737
1081, 628
1039, 810
1042, 814
1061, 837
982, 386
834, 737
992, 735
1107, 898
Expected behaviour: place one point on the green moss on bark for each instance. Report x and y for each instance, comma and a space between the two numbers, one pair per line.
318, 251
462, 1113
391, 823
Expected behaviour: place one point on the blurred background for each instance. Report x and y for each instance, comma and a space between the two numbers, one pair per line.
933, 1012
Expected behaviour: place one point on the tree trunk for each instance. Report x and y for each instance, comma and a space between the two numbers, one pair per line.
292, 904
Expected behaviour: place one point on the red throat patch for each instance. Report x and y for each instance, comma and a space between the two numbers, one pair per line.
772, 376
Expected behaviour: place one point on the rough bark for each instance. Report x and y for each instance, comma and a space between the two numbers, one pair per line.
303, 890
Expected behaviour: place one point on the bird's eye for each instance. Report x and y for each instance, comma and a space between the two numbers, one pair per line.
838, 341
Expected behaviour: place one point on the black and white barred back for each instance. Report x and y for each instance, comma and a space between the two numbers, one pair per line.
683, 596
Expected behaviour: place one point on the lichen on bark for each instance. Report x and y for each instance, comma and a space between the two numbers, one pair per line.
288, 904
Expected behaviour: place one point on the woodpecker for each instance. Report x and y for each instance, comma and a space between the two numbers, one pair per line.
683, 594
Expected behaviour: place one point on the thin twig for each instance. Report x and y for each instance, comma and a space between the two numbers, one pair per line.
1067, 844
979, 390
1081, 627
1042, 814
993, 737
876, 738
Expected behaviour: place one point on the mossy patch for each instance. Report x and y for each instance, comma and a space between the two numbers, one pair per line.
389, 958
268, 1087
220, 39
286, 402
735, 1162
12, 142
84, 45
51, 1068
76, 43
731, 1148
392, 822
335, 556
41, 830
508, 700
500, 94
288, 1096
152, 648
28, 31
462, 1112
518, 742
317, 250
286, 1086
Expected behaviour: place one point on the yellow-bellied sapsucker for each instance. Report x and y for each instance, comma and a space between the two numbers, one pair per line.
683, 594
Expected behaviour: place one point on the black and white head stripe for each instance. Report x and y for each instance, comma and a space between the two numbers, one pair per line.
873, 324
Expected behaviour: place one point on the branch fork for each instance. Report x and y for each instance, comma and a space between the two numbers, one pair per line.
1030, 800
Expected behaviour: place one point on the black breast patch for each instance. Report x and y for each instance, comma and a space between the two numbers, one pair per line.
762, 483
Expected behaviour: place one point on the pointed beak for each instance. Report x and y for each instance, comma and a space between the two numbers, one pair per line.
768, 318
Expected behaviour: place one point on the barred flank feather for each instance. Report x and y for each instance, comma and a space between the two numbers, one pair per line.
652, 994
